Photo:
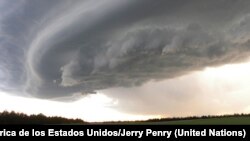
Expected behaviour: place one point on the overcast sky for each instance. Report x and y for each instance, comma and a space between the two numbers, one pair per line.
150, 57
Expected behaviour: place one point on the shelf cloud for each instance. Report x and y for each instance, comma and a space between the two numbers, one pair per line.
53, 48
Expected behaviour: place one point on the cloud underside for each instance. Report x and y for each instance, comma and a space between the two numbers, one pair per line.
57, 48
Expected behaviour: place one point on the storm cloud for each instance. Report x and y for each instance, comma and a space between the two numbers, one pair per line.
53, 48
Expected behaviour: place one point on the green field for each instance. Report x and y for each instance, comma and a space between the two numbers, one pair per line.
210, 121
237, 120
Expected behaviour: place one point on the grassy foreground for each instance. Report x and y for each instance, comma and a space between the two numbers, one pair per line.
221, 120
209, 121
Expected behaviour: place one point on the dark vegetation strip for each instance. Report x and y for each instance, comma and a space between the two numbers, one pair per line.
183, 119
20, 118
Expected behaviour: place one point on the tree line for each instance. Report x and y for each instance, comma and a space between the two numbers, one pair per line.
21, 118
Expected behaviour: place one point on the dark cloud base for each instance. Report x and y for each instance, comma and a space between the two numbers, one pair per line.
55, 48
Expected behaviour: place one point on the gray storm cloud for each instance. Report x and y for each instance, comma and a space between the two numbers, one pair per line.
55, 48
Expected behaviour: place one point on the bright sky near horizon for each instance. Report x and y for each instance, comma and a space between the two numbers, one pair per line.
79, 109
225, 86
